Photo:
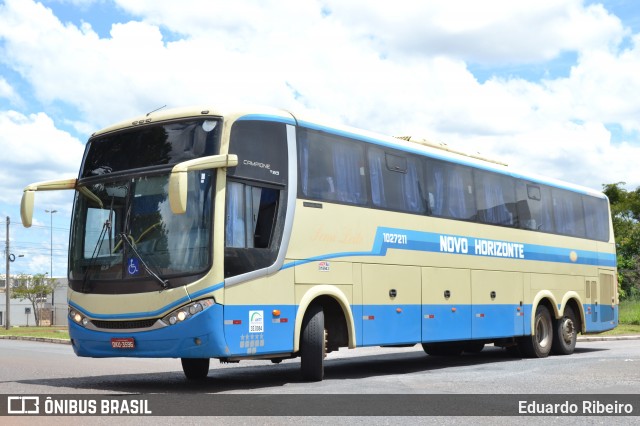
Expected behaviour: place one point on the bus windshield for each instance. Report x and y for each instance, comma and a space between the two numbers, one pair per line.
151, 146
125, 239
126, 232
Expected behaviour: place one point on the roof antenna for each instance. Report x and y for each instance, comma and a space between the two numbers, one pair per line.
157, 109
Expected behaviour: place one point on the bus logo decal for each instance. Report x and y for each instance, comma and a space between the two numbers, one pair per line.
256, 321
324, 266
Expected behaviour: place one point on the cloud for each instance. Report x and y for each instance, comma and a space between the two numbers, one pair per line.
34, 150
488, 32
397, 70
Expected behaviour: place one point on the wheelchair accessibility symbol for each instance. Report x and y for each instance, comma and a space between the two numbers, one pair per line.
134, 266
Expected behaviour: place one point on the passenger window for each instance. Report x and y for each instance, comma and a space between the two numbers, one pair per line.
331, 168
450, 191
396, 181
568, 213
496, 199
534, 207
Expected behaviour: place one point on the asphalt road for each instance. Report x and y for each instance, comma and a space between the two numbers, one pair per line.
598, 367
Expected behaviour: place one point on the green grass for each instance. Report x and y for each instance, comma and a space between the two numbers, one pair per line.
55, 332
629, 324
622, 330
630, 312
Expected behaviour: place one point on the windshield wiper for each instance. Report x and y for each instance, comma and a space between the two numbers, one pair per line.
106, 229
163, 283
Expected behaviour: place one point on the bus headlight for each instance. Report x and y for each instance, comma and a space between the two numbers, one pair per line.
78, 318
187, 311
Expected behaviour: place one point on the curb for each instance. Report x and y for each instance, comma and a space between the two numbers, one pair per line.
606, 338
37, 339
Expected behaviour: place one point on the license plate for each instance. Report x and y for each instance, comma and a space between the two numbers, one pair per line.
123, 343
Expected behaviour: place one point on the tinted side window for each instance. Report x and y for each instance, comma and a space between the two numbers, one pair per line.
252, 230
332, 168
450, 191
534, 207
396, 181
568, 213
496, 199
596, 215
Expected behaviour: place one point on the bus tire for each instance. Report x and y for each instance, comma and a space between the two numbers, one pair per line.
313, 344
565, 336
539, 345
195, 368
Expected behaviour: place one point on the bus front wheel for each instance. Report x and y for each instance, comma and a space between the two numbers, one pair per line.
539, 344
195, 368
564, 339
313, 344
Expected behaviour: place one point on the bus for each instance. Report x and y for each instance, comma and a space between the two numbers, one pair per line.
237, 234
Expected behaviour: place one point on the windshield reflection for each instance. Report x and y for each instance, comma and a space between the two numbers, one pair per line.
125, 230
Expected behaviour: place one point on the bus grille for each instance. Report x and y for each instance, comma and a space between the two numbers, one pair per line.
124, 325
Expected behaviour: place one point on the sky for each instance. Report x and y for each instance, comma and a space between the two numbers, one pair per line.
551, 87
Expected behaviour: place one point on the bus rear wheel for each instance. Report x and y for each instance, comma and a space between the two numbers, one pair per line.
564, 339
538, 345
195, 368
313, 344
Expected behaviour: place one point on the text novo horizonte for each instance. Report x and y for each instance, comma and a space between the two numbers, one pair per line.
481, 247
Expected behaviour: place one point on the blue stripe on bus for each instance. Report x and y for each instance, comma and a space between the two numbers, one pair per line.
224, 331
402, 239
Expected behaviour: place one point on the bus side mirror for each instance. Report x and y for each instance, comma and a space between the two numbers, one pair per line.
26, 208
179, 185
26, 205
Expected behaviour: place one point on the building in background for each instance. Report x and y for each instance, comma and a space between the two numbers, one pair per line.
22, 314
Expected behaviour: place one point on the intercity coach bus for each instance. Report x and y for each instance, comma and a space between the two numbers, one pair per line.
259, 234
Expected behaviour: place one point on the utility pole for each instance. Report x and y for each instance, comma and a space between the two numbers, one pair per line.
7, 279
53, 302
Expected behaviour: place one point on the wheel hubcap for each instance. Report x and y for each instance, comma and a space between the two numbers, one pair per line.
568, 331
542, 333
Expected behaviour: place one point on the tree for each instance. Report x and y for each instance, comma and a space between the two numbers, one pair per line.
625, 214
34, 288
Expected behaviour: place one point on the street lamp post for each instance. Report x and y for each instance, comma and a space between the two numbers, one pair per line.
7, 294
53, 304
